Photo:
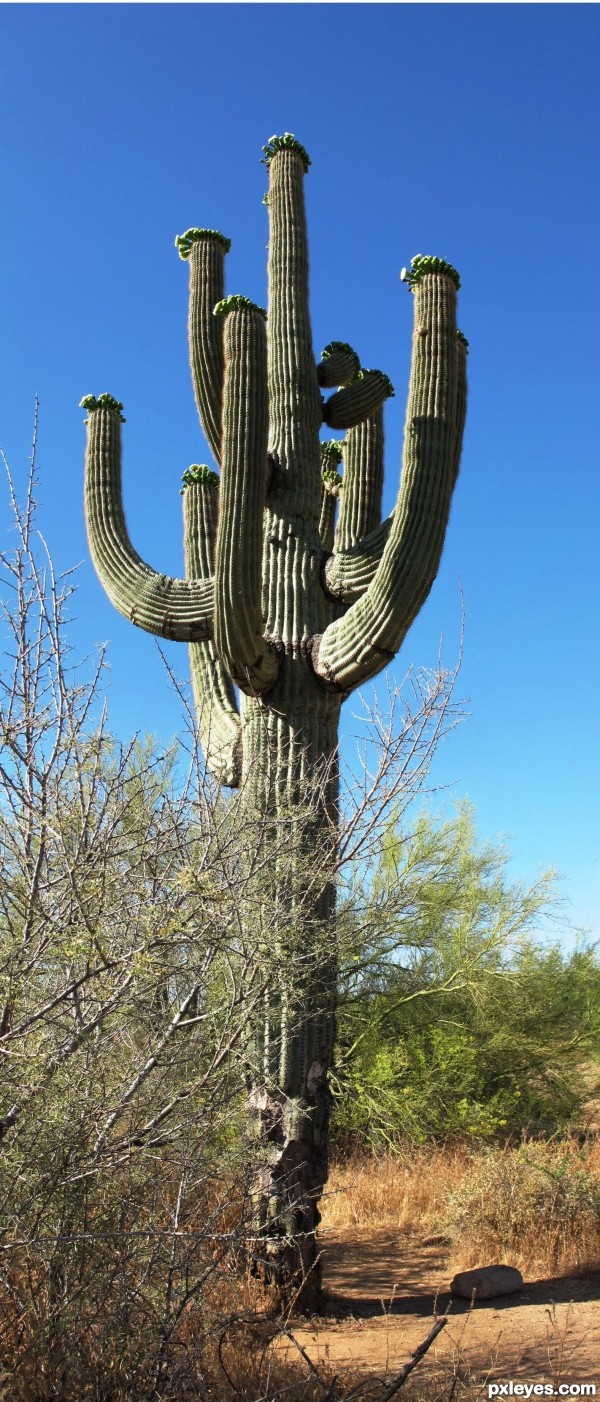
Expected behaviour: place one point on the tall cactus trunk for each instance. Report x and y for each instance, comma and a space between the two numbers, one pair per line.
291, 779
288, 614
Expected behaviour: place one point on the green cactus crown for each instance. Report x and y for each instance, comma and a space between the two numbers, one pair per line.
460, 336
198, 472
104, 401
287, 142
335, 346
382, 376
236, 304
420, 266
185, 242
331, 452
340, 347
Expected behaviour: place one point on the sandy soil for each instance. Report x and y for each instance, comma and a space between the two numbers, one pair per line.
382, 1293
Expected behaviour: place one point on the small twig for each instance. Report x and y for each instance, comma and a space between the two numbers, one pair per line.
418, 1354
314, 1370
223, 1366
292, 1304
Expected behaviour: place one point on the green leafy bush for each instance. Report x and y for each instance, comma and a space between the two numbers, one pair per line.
457, 1017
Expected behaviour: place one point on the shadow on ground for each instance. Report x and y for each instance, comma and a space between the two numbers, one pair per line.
390, 1274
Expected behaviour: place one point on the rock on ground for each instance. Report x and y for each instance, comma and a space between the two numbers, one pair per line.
486, 1282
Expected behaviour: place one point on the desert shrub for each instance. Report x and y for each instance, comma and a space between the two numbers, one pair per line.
138, 950
457, 1016
128, 988
539, 1202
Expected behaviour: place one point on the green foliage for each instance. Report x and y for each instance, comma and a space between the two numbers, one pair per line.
455, 1017
185, 242
332, 480
104, 401
236, 303
199, 472
331, 452
420, 266
287, 142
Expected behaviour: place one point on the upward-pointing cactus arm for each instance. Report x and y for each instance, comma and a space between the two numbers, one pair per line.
170, 608
331, 457
360, 506
239, 623
205, 251
217, 714
295, 408
354, 648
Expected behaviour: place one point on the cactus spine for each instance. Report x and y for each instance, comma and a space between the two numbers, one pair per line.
288, 613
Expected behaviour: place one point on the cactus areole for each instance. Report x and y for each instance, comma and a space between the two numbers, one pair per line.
295, 593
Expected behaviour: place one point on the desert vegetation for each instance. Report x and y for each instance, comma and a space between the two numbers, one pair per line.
206, 949
535, 1204
130, 992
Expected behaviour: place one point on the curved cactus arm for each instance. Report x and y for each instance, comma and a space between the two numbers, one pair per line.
339, 365
358, 400
170, 608
218, 720
205, 251
239, 624
360, 509
348, 573
354, 648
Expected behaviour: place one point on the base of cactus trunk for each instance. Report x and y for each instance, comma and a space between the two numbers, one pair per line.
289, 1273
290, 1177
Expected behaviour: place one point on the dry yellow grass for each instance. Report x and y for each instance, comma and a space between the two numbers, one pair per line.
406, 1189
536, 1206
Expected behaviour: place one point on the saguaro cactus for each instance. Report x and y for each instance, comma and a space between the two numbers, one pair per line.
285, 612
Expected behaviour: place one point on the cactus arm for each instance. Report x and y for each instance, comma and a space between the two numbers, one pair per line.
239, 625
354, 648
349, 571
339, 365
205, 250
360, 509
331, 483
168, 607
347, 574
295, 410
216, 710
358, 400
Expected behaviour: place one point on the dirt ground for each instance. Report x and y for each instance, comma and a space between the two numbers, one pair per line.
382, 1293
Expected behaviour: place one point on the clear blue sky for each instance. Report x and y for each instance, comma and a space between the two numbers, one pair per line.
470, 131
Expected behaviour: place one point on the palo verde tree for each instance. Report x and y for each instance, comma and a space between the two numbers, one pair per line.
290, 612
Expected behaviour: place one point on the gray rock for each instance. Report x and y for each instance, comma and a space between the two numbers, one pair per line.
486, 1282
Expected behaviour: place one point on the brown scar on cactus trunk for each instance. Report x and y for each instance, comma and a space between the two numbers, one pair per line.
295, 593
